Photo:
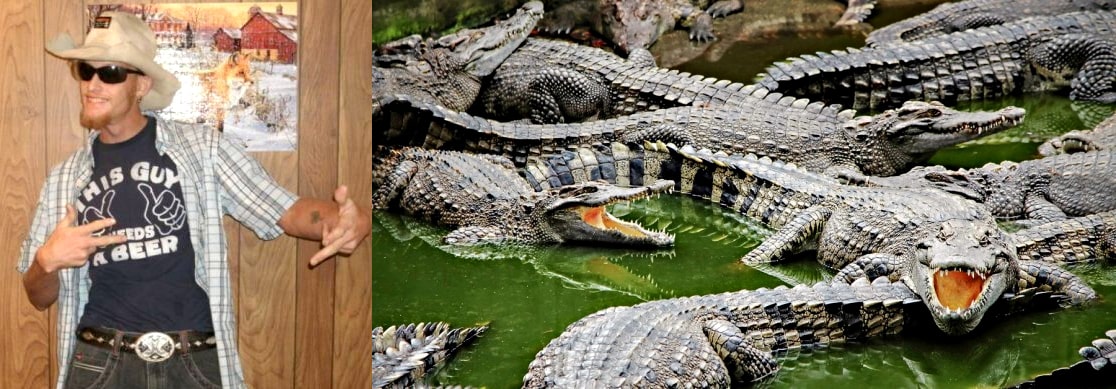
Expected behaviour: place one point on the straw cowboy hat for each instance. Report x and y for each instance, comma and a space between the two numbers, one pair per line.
122, 37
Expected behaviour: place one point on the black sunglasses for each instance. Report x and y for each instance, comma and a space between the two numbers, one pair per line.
109, 74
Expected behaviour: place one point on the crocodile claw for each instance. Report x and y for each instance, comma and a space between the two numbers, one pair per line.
724, 7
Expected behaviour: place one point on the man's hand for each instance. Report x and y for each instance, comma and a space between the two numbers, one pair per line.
351, 228
70, 245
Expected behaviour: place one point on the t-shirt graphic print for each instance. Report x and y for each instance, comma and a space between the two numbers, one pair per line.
146, 283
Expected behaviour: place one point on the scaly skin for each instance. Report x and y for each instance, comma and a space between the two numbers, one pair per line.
1040, 190
970, 14
403, 355
1077, 240
1096, 369
715, 341
1075, 51
880, 145
448, 71
924, 237
1103, 137
481, 196
550, 81
636, 24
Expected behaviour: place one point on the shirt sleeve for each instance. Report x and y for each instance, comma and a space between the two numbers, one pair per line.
249, 194
41, 227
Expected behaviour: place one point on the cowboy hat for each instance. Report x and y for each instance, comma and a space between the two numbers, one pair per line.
122, 37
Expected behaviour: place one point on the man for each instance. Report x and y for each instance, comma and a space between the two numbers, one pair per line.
127, 236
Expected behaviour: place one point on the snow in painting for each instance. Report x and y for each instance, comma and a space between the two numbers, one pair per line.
262, 115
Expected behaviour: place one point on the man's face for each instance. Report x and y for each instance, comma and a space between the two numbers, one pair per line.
103, 103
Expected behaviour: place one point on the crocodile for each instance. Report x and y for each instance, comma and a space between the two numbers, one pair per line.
402, 355
483, 198
448, 70
1039, 190
947, 248
970, 14
600, 269
1102, 137
528, 86
1074, 50
877, 145
637, 24
714, 341
1097, 368
547, 76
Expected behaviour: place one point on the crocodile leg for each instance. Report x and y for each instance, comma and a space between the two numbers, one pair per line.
1092, 54
1035, 274
554, 109
701, 27
724, 7
856, 11
803, 228
745, 362
394, 184
870, 267
1040, 210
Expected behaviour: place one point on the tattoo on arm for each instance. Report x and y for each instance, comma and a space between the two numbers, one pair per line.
315, 217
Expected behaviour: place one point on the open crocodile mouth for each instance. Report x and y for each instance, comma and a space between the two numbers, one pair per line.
582, 215
600, 218
957, 289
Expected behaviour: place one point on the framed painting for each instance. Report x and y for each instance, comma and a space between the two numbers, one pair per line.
237, 62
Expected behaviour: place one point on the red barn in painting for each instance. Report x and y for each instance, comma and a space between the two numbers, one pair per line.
227, 40
270, 35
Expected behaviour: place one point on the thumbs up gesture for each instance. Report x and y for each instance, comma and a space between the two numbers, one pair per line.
165, 211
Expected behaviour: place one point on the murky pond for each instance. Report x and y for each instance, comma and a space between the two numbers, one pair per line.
529, 295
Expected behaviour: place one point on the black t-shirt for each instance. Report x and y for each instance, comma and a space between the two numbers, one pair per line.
147, 283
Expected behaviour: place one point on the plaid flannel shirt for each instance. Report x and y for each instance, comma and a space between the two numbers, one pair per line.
218, 178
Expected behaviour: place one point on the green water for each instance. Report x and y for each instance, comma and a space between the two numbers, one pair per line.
529, 295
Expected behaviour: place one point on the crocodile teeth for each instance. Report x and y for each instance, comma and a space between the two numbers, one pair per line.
958, 289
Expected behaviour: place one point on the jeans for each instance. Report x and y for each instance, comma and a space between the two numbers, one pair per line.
95, 367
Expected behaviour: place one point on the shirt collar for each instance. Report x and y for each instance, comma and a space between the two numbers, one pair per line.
165, 136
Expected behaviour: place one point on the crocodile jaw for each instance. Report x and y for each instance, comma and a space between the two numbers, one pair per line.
921, 128
579, 214
958, 300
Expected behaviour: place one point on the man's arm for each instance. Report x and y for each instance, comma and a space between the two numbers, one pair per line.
67, 246
340, 225
41, 286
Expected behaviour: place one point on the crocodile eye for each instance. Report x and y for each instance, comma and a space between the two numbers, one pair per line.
986, 239
933, 113
922, 245
946, 232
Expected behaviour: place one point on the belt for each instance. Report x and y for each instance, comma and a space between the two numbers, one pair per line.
150, 346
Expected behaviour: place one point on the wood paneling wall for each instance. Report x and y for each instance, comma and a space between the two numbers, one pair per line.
299, 327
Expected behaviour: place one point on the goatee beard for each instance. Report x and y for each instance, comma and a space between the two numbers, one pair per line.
94, 122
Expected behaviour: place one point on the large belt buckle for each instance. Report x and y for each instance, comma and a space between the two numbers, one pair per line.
154, 347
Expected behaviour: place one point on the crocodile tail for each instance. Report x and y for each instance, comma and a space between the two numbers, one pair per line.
403, 355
